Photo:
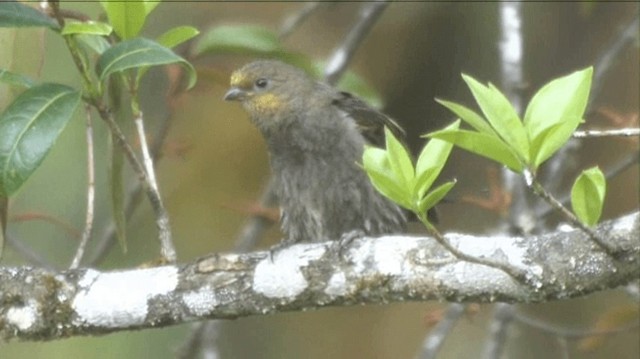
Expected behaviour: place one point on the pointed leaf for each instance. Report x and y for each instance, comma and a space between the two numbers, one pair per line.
435, 196
126, 17
177, 36
431, 161
29, 128
89, 27
587, 195
469, 116
239, 39
96, 43
501, 115
376, 164
150, 5
14, 79
482, 144
138, 53
399, 159
561, 104
15, 14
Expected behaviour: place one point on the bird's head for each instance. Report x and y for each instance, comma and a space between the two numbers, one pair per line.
269, 90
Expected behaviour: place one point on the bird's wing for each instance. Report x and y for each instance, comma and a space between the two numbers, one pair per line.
370, 122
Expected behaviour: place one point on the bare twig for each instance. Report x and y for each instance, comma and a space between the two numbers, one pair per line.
558, 206
91, 184
623, 132
296, 19
162, 217
337, 64
609, 173
433, 342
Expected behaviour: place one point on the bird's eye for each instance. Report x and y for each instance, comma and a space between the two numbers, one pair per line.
261, 83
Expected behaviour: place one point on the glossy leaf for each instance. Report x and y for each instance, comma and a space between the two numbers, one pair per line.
376, 165
431, 161
96, 43
177, 36
139, 53
435, 196
89, 27
501, 115
239, 39
587, 195
126, 17
14, 79
561, 104
482, 144
29, 128
399, 159
469, 116
15, 14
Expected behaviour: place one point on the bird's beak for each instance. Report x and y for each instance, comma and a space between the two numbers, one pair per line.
235, 94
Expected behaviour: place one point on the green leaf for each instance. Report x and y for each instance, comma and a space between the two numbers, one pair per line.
149, 5
431, 161
15, 14
482, 144
435, 196
501, 115
15, 79
29, 128
4, 213
239, 39
96, 43
469, 116
89, 27
376, 165
126, 17
587, 195
139, 53
561, 104
177, 36
399, 159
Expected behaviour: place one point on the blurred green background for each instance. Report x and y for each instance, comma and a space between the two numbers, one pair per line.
215, 163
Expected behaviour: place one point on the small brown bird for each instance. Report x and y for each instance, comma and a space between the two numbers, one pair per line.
316, 135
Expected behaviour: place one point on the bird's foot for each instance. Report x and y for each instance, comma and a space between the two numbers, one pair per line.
278, 247
345, 241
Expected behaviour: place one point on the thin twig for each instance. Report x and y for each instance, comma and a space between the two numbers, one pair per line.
337, 64
91, 190
162, 217
623, 132
433, 342
296, 19
162, 220
134, 194
609, 173
502, 318
553, 202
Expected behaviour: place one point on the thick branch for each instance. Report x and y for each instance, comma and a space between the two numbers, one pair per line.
36, 304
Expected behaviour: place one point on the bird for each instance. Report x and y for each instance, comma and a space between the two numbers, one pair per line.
316, 136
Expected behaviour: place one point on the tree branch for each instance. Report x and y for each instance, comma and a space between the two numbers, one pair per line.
37, 304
